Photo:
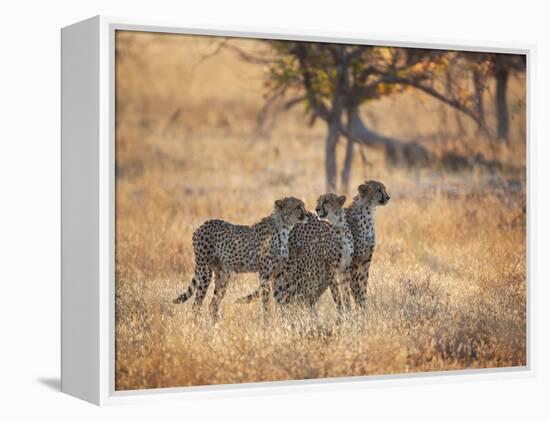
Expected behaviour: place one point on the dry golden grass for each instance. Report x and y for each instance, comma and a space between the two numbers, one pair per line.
447, 289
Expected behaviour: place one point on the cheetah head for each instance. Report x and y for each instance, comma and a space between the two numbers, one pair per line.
329, 207
290, 211
372, 193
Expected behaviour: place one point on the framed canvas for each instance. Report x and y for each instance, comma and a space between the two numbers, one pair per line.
219, 192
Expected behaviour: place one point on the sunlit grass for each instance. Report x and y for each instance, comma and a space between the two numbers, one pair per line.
447, 288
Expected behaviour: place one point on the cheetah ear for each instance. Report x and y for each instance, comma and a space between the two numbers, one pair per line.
363, 189
279, 204
342, 200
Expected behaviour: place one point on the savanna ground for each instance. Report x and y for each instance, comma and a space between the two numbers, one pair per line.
447, 289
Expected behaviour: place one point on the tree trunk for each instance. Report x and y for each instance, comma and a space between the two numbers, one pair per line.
503, 123
340, 57
330, 155
479, 86
348, 160
346, 171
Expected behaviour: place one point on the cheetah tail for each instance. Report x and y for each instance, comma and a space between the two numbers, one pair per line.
182, 298
249, 298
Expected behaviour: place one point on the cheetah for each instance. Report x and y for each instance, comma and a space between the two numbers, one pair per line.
225, 249
330, 207
310, 269
360, 217
319, 250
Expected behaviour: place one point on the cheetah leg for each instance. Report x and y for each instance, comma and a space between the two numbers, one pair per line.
250, 298
221, 282
265, 291
359, 282
204, 275
280, 287
188, 293
200, 280
354, 283
335, 291
346, 292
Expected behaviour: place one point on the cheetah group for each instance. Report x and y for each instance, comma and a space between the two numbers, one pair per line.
297, 254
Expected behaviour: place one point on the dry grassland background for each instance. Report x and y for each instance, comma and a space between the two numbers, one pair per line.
447, 289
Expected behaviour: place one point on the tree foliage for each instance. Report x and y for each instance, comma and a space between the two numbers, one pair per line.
332, 81
333, 77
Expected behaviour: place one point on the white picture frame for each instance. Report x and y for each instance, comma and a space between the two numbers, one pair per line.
88, 197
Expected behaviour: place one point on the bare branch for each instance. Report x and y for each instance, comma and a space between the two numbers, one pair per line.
292, 102
449, 101
268, 114
263, 114
365, 90
214, 53
243, 55
249, 57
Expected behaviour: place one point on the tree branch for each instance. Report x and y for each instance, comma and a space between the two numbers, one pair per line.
292, 102
359, 50
207, 56
364, 91
319, 108
249, 57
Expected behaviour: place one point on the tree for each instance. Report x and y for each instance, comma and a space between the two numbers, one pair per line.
498, 66
503, 66
335, 80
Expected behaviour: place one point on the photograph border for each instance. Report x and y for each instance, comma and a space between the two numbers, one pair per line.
106, 214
